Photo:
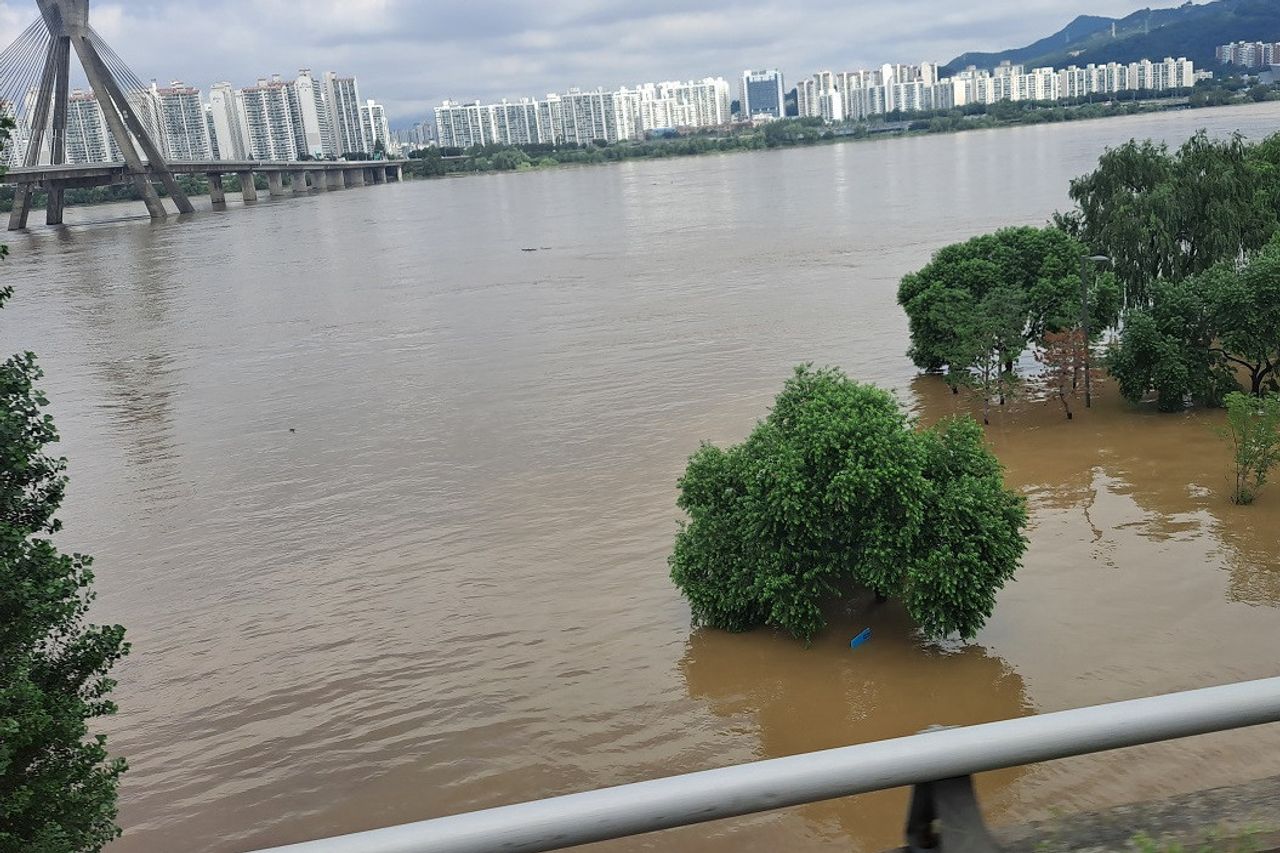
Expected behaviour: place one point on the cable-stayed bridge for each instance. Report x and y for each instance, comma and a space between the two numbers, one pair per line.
35, 81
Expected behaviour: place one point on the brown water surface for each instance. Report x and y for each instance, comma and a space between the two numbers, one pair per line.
385, 502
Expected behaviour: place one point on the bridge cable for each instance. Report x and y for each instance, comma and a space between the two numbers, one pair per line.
137, 92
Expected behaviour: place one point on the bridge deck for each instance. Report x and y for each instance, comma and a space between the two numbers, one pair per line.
99, 173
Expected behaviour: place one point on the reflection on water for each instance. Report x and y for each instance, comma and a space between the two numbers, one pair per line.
789, 699
386, 502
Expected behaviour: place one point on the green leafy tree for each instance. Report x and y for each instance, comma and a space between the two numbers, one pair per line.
992, 334
1246, 305
1167, 347
57, 783
834, 490
1253, 428
1038, 266
1161, 215
1188, 344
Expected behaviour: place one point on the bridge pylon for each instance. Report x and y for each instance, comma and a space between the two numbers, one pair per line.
69, 31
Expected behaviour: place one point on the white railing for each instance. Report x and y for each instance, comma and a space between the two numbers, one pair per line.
938, 763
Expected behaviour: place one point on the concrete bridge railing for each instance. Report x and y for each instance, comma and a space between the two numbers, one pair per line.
943, 816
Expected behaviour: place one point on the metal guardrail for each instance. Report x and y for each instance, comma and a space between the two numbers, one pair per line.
943, 815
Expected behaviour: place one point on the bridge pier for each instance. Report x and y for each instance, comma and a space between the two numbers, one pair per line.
299, 182
318, 181
275, 184
247, 190
355, 177
55, 206
217, 193
21, 207
398, 171
333, 177
379, 174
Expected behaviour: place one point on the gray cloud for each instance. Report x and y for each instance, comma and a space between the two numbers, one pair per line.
410, 55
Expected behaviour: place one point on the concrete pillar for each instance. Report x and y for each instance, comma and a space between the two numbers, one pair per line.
299, 182
379, 174
319, 179
217, 194
21, 207
247, 189
54, 206
355, 177
333, 179
399, 172
275, 182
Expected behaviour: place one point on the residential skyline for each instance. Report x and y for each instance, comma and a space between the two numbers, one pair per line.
416, 55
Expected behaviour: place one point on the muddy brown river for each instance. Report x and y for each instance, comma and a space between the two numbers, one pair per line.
385, 502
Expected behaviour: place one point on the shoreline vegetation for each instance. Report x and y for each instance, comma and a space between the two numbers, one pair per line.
784, 133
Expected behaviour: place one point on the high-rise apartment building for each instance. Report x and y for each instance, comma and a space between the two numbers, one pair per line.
313, 124
178, 117
227, 116
268, 114
762, 94
582, 118
213, 137
342, 97
88, 139
373, 121
1250, 54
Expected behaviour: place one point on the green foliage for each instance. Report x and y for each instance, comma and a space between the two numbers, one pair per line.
976, 305
1168, 216
1166, 348
834, 489
1188, 342
57, 783
1253, 428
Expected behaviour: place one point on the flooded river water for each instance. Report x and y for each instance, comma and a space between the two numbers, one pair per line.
385, 502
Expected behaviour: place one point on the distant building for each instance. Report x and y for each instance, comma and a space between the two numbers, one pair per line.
313, 125
1249, 54
373, 119
582, 118
268, 116
226, 114
762, 94
88, 139
213, 137
178, 116
342, 97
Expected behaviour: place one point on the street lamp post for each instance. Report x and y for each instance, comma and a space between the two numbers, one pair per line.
1085, 263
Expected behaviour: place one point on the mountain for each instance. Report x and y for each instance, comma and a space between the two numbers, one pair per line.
1189, 30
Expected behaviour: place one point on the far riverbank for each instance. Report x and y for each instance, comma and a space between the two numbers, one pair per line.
783, 134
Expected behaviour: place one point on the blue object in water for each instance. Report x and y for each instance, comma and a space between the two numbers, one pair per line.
860, 639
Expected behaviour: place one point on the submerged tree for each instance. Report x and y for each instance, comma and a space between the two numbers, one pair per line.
834, 490
1188, 344
57, 783
1253, 428
1063, 356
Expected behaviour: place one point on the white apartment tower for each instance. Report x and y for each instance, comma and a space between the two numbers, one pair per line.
88, 140
373, 121
268, 120
179, 115
227, 117
312, 121
342, 96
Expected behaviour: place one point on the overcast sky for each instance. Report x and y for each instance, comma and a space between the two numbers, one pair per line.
410, 54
